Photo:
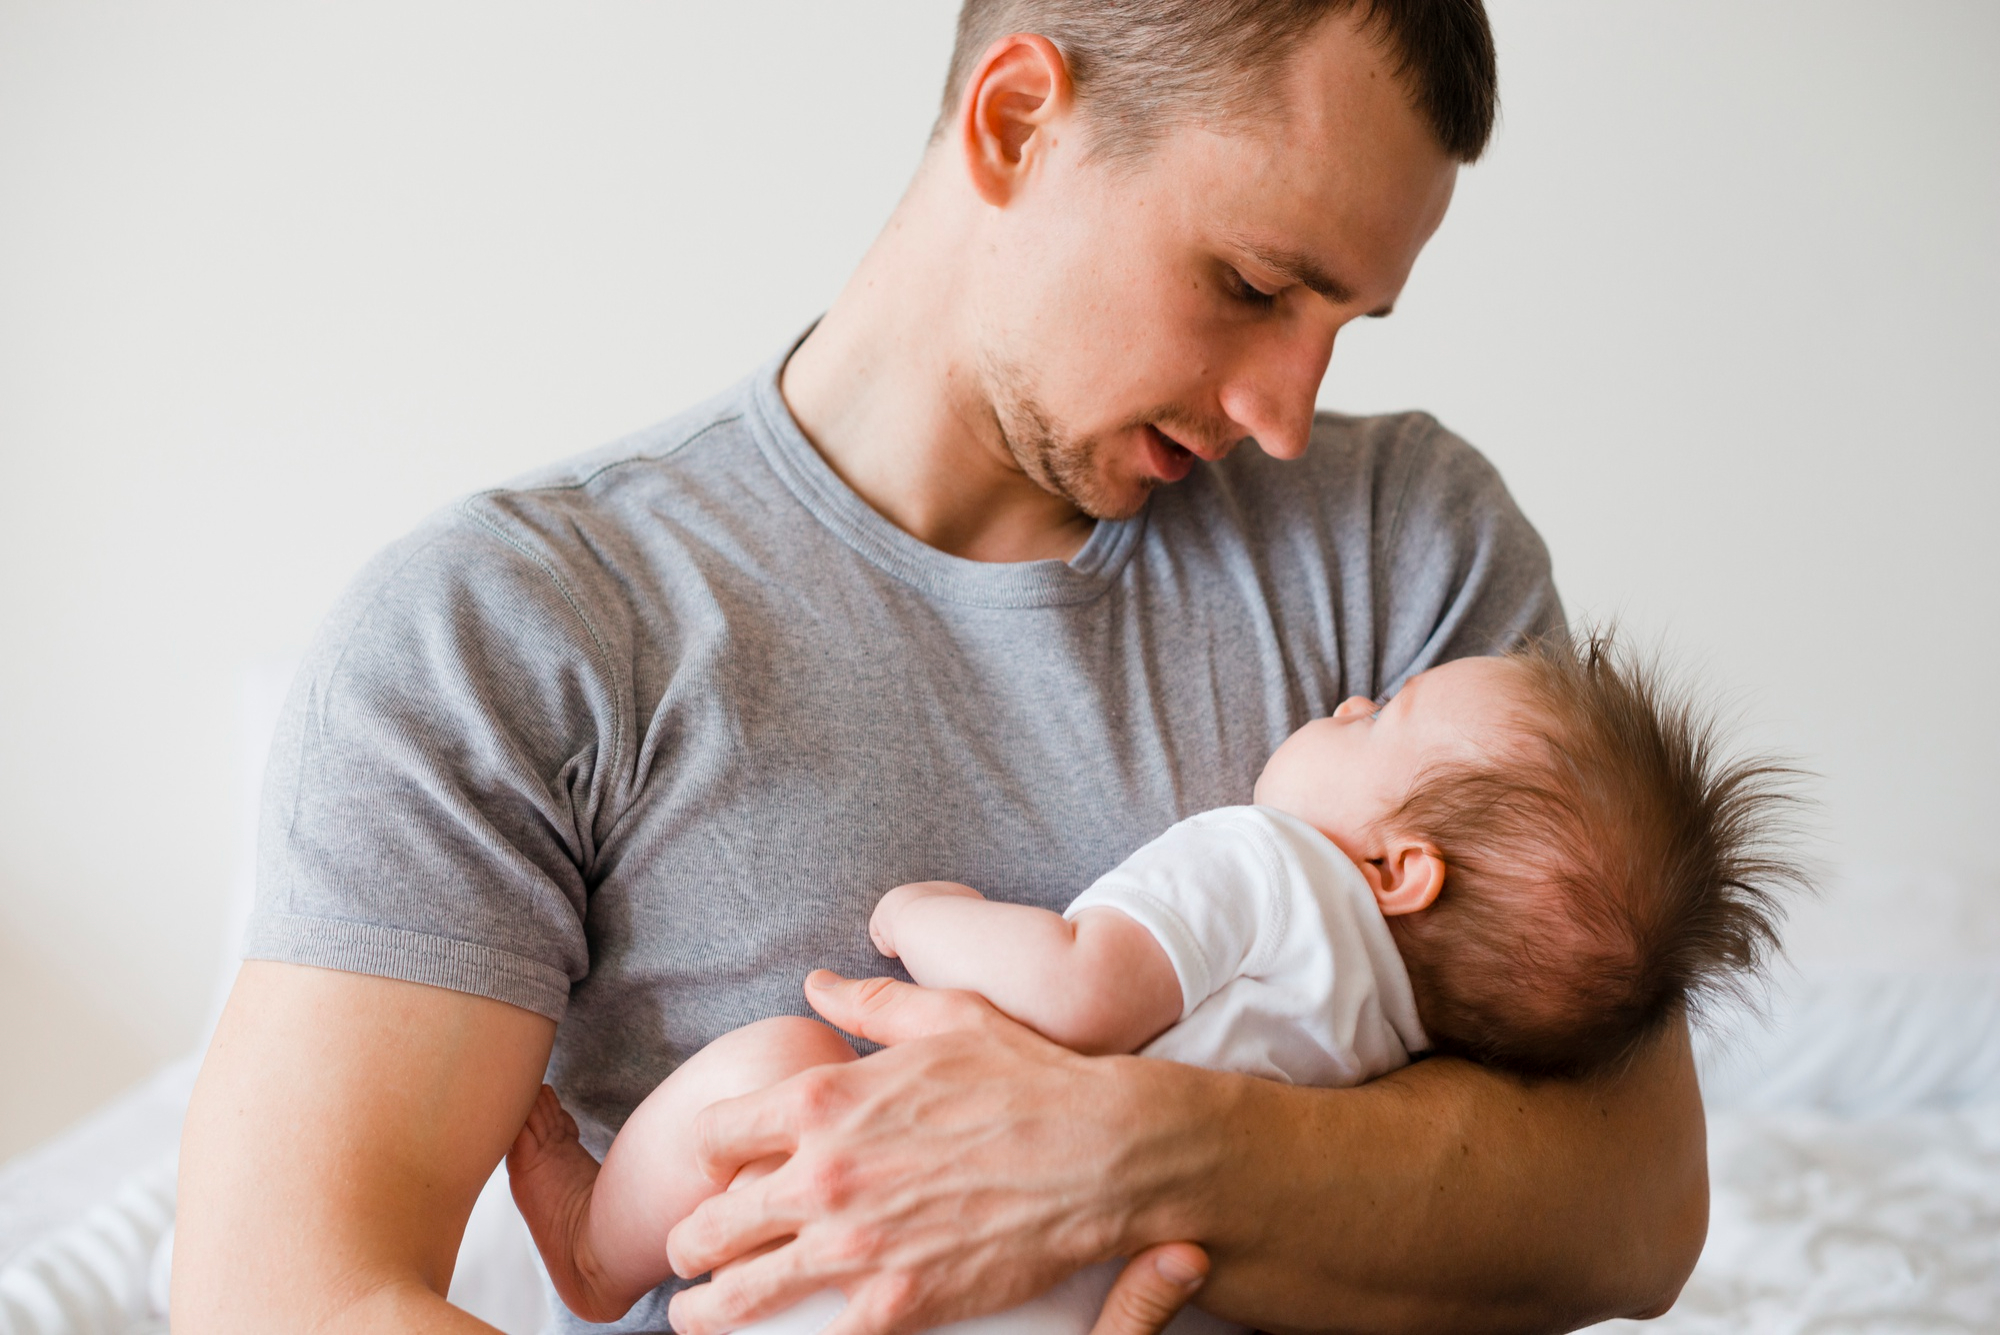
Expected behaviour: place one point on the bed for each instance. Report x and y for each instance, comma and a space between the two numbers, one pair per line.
1854, 1142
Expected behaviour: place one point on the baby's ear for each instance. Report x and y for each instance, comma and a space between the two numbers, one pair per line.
1407, 877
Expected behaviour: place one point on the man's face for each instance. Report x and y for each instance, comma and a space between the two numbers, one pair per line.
1137, 317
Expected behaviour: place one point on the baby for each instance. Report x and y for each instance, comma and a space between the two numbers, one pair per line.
1533, 861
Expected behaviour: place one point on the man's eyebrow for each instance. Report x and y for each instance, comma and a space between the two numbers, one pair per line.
1306, 272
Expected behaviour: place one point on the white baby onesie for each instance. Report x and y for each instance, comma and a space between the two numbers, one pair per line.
1287, 971
1286, 964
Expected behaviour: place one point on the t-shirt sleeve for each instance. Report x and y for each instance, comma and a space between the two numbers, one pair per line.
1208, 891
1458, 570
441, 774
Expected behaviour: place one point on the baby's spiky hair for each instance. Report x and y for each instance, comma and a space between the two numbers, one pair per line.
1602, 876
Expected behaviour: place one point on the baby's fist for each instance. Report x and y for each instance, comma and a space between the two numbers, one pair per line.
882, 926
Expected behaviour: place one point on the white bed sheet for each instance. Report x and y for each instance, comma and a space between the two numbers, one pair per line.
56, 1183
1823, 1223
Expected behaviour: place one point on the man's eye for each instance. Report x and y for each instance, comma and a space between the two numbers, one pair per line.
1248, 292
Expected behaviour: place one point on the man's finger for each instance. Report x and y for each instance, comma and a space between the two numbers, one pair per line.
747, 1292
881, 1306
732, 1132
1154, 1286
731, 1224
886, 1011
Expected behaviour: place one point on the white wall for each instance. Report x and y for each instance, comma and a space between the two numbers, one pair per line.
276, 279
1723, 304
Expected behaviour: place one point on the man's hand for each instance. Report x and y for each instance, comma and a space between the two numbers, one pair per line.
972, 1164
968, 1167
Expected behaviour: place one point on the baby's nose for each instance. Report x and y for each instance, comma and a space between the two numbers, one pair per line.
1354, 704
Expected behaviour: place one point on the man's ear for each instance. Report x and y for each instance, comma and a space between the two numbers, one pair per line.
1018, 88
1407, 877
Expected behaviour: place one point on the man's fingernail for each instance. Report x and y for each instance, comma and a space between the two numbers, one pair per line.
1177, 1271
822, 978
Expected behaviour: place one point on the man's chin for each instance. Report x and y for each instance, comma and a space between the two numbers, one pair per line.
1078, 476
1121, 501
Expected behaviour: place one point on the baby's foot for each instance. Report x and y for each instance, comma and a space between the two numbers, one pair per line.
551, 1174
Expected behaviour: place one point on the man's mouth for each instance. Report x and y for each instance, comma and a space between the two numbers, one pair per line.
1169, 460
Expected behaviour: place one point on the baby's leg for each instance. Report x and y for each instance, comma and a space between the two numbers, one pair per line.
603, 1231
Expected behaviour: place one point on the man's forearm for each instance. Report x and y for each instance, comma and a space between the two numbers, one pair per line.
1444, 1197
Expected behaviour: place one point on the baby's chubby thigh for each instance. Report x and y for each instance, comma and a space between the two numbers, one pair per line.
651, 1178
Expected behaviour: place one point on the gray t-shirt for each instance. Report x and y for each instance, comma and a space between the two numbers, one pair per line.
639, 741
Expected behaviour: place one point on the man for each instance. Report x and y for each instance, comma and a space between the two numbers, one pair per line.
593, 769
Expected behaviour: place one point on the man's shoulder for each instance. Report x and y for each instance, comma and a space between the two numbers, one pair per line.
1354, 452
1366, 474
1391, 539
631, 476
569, 535
1411, 438
640, 489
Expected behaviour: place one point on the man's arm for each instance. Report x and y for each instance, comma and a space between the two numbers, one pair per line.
340, 1131
1450, 1197
972, 1163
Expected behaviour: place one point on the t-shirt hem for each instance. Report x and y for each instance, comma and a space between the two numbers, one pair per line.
412, 957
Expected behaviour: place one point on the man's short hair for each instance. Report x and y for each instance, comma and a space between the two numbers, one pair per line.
1141, 66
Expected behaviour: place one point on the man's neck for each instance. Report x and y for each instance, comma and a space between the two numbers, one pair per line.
890, 389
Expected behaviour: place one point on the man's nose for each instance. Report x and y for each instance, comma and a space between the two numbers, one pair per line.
1271, 397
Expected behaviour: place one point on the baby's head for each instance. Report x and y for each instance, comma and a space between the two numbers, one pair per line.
1564, 859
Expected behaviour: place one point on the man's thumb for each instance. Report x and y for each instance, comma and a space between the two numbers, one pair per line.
1154, 1286
887, 1011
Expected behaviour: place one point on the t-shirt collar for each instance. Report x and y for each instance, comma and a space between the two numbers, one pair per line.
987, 583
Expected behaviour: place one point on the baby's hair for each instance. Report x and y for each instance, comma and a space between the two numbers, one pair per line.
1606, 873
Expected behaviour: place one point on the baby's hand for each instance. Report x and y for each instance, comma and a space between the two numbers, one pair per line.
881, 927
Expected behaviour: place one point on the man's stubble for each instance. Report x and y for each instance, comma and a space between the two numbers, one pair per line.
1054, 459
1070, 465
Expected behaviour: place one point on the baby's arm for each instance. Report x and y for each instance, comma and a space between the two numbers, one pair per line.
1097, 983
